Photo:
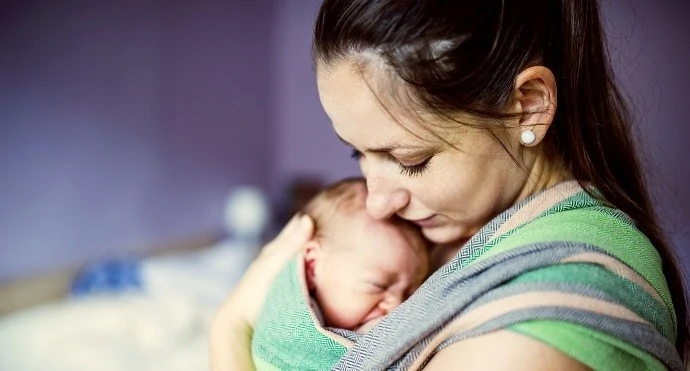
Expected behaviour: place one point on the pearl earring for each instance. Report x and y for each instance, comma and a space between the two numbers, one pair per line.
527, 137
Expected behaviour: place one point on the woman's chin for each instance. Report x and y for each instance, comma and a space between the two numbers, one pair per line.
447, 234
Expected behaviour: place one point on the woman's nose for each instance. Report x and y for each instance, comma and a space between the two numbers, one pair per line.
384, 198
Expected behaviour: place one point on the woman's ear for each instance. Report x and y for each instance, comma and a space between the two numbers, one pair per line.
536, 101
312, 252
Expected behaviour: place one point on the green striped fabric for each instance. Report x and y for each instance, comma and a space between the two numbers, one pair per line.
588, 255
599, 227
286, 336
594, 224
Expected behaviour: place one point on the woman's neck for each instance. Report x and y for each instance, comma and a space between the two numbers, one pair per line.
546, 172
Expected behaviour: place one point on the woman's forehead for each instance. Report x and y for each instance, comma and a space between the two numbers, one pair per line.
361, 113
346, 96
368, 115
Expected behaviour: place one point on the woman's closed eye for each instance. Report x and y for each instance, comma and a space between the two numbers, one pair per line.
412, 170
409, 170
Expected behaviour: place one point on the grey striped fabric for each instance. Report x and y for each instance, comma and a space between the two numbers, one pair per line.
399, 339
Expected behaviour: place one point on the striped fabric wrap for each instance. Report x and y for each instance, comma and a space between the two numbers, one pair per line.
288, 335
559, 267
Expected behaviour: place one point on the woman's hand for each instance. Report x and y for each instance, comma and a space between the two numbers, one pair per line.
233, 325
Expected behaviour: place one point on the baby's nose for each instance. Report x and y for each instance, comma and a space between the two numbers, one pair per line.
391, 302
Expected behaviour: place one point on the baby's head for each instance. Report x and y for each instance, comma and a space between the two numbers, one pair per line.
358, 269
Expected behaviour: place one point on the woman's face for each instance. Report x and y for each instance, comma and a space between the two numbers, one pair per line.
448, 178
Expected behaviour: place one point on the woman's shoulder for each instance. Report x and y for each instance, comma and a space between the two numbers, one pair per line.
565, 309
619, 271
607, 229
569, 213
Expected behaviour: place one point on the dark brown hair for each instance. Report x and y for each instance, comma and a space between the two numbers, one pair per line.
465, 55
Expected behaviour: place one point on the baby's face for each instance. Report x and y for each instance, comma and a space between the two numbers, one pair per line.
373, 272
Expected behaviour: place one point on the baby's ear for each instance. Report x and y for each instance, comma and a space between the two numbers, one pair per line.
312, 250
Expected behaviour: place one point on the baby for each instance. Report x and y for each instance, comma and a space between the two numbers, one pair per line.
353, 272
358, 269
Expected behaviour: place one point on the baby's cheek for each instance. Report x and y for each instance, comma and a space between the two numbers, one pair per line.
360, 306
348, 311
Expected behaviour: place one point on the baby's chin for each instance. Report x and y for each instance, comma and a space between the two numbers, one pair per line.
368, 325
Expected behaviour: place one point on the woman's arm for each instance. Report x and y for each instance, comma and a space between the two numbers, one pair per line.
230, 346
231, 331
502, 350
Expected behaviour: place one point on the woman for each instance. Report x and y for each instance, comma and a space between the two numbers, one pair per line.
481, 118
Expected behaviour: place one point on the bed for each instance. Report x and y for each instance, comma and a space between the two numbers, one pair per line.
160, 326
146, 314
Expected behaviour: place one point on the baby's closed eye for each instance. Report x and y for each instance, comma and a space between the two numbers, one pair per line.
377, 286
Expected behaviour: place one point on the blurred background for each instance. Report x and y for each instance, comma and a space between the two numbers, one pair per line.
138, 137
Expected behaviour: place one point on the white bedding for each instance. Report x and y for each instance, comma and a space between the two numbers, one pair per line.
162, 328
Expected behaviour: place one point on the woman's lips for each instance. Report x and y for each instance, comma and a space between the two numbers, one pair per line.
426, 222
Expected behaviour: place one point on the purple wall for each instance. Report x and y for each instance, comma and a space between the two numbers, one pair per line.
651, 52
650, 47
124, 124
306, 145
